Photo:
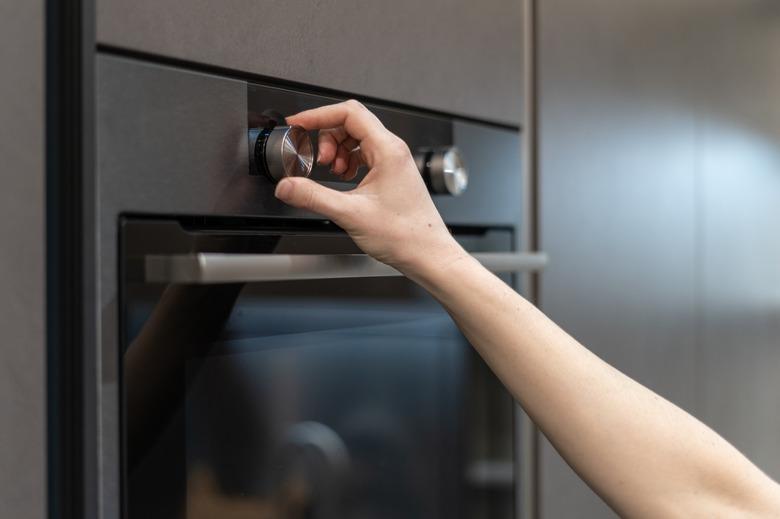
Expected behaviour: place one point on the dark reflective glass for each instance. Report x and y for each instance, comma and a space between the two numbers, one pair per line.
307, 399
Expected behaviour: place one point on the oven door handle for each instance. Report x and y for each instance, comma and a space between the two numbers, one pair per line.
214, 268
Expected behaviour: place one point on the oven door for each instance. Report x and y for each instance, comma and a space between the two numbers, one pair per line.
271, 371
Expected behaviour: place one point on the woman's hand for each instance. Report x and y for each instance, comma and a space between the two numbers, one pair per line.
390, 214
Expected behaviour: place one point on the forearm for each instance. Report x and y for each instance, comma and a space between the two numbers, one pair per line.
642, 454
645, 456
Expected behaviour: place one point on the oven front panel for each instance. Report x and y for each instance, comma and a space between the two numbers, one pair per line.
173, 143
322, 399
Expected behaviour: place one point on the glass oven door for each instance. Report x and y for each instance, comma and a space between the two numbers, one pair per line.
272, 372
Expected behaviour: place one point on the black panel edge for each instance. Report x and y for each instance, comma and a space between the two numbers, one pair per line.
70, 339
291, 85
250, 224
121, 271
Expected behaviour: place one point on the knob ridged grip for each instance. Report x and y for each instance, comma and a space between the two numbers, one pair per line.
443, 170
283, 151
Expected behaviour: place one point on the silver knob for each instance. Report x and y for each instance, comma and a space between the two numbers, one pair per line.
284, 151
443, 170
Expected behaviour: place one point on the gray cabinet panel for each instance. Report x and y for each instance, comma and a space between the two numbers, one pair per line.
617, 159
22, 304
740, 228
462, 57
660, 200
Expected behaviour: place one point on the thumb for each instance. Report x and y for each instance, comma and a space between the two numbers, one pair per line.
307, 194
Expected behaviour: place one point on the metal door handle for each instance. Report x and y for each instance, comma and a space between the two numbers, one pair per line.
213, 268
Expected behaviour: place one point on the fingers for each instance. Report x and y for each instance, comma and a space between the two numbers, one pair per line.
355, 162
335, 145
356, 119
328, 144
306, 194
344, 127
341, 162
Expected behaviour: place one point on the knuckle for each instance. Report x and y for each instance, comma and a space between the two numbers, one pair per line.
354, 104
398, 147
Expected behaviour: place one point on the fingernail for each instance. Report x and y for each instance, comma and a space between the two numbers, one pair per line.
283, 189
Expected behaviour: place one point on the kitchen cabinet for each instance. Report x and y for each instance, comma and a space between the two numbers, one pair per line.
22, 267
459, 57
659, 201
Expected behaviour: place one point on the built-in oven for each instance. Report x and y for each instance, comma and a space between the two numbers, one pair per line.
271, 370
255, 364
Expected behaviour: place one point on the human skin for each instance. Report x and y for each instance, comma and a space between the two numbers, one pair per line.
643, 455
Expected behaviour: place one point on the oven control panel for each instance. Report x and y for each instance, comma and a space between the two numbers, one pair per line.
287, 151
277, 150
178, 142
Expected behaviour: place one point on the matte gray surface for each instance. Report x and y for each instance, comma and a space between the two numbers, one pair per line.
22, 303
617, 186
660, 153
461, 57
739, 215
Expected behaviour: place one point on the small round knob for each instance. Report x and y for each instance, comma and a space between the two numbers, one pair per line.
444, 170
279, 152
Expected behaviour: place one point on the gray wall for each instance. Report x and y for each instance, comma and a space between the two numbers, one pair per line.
660, 204
458, 56
22, 352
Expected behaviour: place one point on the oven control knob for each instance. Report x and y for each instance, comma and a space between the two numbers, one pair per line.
282, 151
443, 169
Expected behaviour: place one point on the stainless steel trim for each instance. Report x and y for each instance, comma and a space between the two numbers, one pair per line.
212, 268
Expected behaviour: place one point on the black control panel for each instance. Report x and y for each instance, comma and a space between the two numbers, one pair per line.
277, 150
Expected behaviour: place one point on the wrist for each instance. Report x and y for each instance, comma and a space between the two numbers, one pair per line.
430, 268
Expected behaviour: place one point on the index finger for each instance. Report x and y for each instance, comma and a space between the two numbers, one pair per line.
356, 119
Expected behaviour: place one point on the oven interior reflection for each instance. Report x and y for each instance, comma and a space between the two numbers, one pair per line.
352, 414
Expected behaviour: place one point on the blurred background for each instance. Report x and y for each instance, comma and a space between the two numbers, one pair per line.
659, 156
646, 141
